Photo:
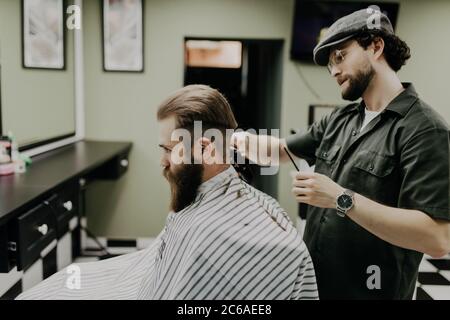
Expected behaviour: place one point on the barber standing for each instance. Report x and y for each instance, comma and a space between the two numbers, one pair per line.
380, 194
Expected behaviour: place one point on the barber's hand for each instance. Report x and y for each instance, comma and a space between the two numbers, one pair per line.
253, 147
240, 141
315, 189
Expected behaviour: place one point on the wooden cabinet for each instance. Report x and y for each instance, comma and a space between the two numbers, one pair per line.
32, 232
44, 205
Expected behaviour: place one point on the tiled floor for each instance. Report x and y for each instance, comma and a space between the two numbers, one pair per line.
434, 279
93, 252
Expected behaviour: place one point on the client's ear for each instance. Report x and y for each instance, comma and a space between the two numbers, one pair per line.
200, 147
204, 143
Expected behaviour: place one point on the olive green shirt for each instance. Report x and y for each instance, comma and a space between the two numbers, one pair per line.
400, 159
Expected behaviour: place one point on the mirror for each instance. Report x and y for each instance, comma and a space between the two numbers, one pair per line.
37, 103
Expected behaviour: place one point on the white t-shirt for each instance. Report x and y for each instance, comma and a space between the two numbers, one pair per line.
369, 116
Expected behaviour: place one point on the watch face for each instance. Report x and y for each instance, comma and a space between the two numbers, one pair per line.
345, 201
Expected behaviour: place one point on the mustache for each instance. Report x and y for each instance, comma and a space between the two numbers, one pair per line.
341, 80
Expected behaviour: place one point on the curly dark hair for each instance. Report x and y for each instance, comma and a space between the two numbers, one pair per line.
396, 51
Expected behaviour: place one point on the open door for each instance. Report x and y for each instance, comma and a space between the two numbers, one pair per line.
248, 72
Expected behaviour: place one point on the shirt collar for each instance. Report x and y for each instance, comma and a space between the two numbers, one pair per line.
400, 104
216, 181
403, 102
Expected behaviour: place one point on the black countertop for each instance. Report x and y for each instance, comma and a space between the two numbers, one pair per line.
52, 169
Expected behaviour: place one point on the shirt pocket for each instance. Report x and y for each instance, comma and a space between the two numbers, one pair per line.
373, 176
374, 164
326, 158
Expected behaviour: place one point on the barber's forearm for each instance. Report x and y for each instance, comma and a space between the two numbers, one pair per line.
267, 146
411, 229
261, 149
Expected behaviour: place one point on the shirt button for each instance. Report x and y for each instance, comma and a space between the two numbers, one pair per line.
371, 167
344, 161
354, 132
325, 154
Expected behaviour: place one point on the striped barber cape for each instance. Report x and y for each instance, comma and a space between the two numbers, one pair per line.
232, 242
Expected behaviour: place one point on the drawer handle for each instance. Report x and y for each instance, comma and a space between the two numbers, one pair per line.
68, 205
43, 229
124, 163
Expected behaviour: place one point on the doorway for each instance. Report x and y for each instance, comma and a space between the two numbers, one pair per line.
248, 72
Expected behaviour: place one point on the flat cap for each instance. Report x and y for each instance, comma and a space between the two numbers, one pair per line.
347, 27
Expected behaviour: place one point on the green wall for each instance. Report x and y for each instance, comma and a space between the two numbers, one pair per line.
122, 106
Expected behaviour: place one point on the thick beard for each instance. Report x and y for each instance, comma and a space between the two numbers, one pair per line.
358, 84
184, 185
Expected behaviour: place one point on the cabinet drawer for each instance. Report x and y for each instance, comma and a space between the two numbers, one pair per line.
5, 263
36, 229
113, 169
66, 206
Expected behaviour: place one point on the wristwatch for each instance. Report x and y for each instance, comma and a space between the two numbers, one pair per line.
344, 202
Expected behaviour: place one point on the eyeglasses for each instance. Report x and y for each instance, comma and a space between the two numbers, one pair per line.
336, 58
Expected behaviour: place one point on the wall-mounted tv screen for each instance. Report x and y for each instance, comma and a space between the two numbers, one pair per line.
312, 16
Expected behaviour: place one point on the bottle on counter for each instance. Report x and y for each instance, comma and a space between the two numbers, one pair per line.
14, 147
6, 165
5, 149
